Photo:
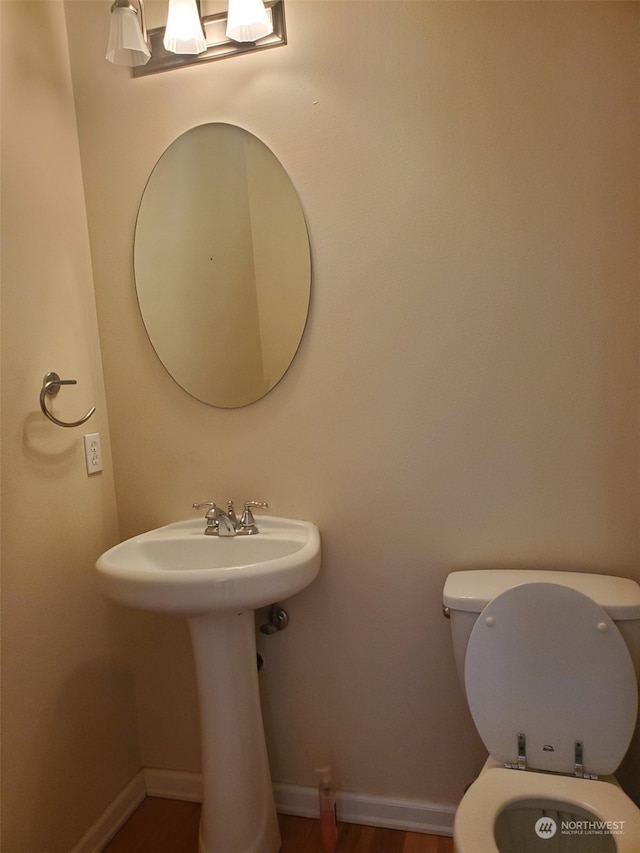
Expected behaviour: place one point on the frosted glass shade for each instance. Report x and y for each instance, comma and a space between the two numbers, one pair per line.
184, 33
248, 20
126, 42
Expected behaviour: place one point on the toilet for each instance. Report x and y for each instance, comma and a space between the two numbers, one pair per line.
544, 660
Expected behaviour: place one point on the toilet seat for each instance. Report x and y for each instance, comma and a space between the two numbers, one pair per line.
496, 788
548, 675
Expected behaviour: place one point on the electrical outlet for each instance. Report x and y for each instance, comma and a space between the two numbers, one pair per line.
92, 452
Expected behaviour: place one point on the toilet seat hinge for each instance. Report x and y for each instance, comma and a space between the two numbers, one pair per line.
521, 763
578, 766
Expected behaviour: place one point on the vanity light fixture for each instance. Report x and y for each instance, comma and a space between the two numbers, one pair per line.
190, 37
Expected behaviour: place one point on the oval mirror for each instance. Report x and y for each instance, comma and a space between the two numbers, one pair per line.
222, 265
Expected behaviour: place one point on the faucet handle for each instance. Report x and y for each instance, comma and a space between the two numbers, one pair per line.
213, 514
248, 522
203, 504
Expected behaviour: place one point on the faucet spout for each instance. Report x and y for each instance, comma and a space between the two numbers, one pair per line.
225, 525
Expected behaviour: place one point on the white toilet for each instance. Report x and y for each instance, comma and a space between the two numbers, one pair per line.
544, 660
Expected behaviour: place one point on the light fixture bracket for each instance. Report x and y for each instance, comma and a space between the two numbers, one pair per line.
218, 45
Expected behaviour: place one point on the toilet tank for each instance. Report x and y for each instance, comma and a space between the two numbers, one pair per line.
467, 593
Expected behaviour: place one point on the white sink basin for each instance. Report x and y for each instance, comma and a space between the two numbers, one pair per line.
177, 569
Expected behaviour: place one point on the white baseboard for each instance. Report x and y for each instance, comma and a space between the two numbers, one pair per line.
408, 815
173, 784
116, 813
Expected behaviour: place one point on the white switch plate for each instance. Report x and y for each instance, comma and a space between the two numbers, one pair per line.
92, 452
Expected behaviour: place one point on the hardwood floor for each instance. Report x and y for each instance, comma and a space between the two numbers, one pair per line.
171, 826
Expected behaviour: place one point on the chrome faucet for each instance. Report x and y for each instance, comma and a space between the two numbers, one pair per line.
221, 523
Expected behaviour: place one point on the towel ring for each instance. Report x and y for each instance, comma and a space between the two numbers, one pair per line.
50, 387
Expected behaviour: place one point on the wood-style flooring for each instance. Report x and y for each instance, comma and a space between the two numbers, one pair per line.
171, 826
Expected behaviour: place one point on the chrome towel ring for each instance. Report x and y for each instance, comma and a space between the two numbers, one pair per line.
50, 388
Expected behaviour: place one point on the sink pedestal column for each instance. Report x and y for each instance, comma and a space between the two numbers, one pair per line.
238, 810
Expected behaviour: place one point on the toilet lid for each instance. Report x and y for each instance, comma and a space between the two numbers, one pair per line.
548, 662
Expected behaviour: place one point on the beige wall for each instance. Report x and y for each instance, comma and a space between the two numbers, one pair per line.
466, 391
68, 727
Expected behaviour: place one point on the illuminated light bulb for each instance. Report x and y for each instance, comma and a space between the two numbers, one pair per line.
248, 20
183, 33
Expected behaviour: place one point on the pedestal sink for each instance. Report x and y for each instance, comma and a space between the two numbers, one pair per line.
217, 583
